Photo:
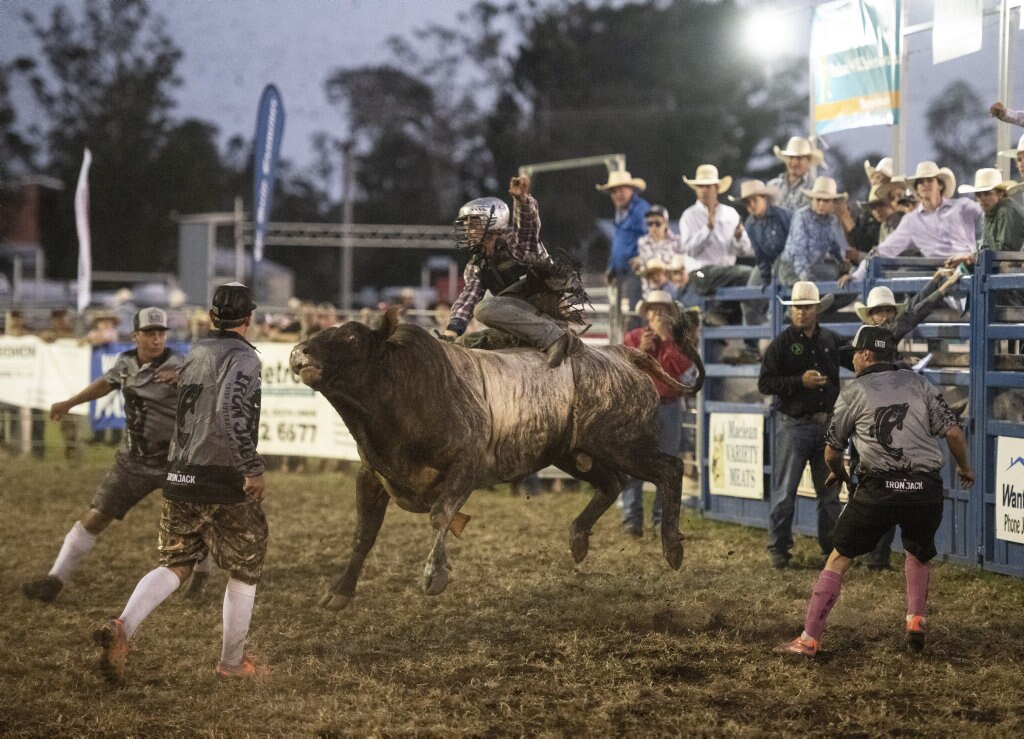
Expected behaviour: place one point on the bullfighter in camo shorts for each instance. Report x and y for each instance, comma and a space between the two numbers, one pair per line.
147, 376
214, 489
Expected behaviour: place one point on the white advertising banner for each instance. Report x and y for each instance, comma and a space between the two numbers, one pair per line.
737, 455
294, 420
1009, 492
36, 374
957, 29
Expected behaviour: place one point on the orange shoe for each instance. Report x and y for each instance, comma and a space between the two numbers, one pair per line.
247, 669
915, 633
114, 640
802, 646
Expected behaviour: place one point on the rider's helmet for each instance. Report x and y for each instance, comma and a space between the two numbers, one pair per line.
477, 219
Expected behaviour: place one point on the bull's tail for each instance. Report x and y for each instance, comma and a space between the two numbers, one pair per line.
650, 366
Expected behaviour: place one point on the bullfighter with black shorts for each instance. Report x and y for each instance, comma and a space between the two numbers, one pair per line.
213, 490
894, 417
147, 376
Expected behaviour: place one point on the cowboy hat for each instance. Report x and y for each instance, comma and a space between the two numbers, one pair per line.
676, 263
1012, 153
879, 297
658, 297
652, 265
931, 169
806, 293
986, 179
707, 174
879, 195
883, 167
800, 147
750, 188
824, 189
620, 178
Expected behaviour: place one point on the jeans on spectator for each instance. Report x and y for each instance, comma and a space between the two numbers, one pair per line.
797, 442
756, 311
670, 430
825, 271
706, 280
631, 288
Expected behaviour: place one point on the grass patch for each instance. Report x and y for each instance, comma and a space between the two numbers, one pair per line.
522, 642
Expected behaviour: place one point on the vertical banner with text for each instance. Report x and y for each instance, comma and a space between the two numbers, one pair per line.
267, 146
855, 64
1009, 492
736, 460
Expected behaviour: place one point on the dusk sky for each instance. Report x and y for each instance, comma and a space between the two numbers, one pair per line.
234, 47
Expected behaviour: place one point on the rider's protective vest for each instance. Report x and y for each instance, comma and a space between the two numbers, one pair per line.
500, 270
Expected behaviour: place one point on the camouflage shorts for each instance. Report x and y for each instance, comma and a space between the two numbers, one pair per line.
127, 482
234, 534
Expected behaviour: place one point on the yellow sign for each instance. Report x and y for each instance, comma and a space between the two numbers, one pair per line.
736, 457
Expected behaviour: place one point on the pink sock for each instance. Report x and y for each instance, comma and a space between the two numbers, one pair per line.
917, 585
823, 597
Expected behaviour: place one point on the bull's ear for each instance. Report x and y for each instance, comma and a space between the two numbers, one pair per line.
390, 320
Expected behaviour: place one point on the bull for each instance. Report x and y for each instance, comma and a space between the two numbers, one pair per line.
434, 421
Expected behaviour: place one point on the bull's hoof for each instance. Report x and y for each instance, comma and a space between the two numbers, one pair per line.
335, 601
672, 546
579, 544
434, 583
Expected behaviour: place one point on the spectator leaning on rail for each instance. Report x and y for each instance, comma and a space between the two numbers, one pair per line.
893, 417
816, 248
801, 369
938, 227
1002, 226
798, 157
147, 376
630, 210
214, 489
659, 311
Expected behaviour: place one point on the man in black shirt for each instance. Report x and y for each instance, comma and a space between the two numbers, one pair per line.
801, 369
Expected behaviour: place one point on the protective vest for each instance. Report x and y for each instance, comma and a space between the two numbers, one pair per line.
500, 270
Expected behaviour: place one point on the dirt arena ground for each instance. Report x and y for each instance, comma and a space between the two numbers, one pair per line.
523, 642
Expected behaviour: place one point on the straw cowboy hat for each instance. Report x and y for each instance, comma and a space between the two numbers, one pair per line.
707, 174
824, 189
986, 179
884, 167
879, 195
800, 147
806, 293
1012, 153
652, 265
620, 178
931, 169
658, 297
676, 263
879, 297
750, 188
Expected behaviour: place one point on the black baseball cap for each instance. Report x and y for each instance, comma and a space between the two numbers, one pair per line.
875, 338
232, 302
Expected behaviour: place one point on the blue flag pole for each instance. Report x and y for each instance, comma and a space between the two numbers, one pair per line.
266, 148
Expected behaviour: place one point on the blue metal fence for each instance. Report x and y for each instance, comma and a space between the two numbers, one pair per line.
967, 534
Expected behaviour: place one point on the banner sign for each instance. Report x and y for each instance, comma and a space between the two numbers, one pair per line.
957, 29
84, 236
736, 460
855, 64
267, 146
1009, 492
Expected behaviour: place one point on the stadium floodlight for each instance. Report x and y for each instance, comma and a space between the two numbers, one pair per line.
771, 33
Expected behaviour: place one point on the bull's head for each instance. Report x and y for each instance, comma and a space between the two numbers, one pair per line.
341, 352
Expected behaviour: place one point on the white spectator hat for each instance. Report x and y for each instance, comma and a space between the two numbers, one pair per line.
658, 297
750, 188
654, 263
806, 293
879, 297
931, 169
986, 179
800, 147
620, 177
824, 189
884, 166
707, 174
1012, 153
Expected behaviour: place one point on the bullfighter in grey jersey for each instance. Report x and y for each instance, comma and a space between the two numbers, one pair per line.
214, 488
893, 416
146, 376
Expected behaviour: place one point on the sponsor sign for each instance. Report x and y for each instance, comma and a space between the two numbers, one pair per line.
267, 147
1009, 492
736, 458
855, 64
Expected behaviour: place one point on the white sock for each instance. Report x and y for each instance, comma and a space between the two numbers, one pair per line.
77, 544
151, 591
238, 600
204, 566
